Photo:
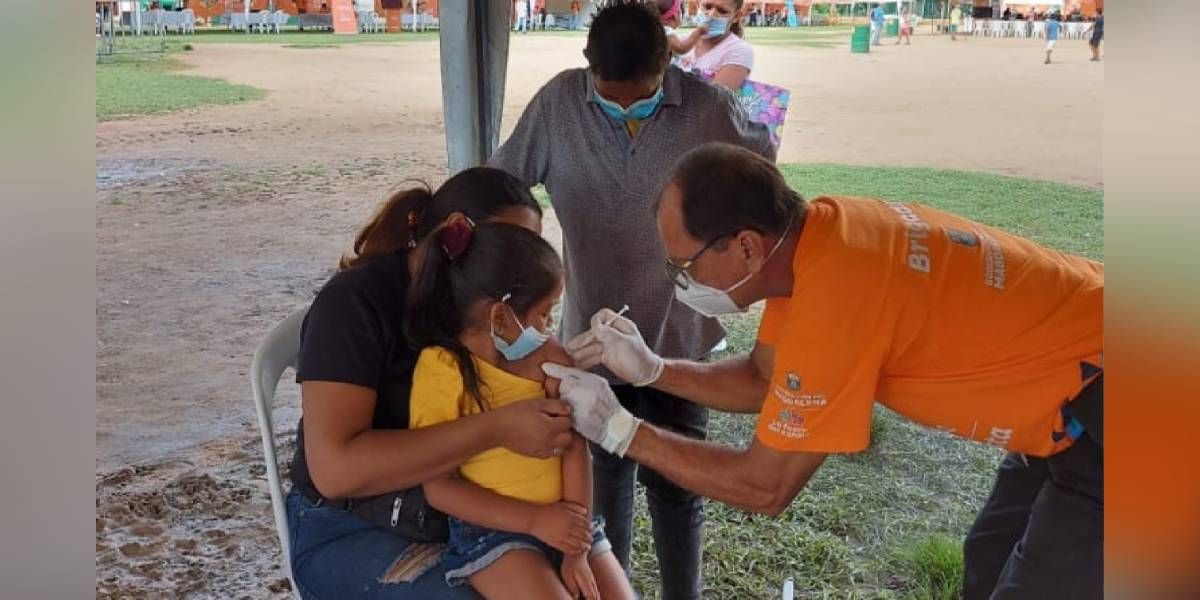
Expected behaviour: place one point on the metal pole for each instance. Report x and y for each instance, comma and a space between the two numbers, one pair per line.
474, 48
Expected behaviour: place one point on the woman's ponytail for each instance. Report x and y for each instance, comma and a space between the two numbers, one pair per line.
394, 227
433, 316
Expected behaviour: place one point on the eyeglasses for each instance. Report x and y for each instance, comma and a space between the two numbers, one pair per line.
678, 273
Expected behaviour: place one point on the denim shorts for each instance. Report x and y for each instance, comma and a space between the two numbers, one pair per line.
472, 549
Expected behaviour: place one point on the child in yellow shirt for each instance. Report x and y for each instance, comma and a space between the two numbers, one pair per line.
520, 527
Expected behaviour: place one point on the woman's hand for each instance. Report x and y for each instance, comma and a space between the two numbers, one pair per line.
539, 427
578, 577
565, 526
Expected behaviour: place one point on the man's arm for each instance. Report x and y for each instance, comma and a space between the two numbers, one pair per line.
756, 479
736, 384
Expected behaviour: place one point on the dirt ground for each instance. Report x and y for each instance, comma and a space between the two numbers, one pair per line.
213, 224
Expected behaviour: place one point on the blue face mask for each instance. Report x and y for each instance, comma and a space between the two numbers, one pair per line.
638, 111
527, 343
717, 26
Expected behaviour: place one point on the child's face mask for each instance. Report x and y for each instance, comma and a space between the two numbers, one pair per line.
527, 343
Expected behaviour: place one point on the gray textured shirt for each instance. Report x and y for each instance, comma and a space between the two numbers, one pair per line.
602, 185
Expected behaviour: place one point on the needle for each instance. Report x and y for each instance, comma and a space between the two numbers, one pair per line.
613, 319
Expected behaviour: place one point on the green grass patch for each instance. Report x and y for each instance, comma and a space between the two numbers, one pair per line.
310, 46
809, 37
889, 522
543, 199
135, 86
302, 38
936, 564
1064, 217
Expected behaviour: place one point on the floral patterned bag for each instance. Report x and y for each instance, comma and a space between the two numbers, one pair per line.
767, 104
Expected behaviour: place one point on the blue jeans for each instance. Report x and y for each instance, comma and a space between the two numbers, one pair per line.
473, 548
677, 515
338, 555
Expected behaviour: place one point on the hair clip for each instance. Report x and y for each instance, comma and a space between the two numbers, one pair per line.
412, 228
456, 238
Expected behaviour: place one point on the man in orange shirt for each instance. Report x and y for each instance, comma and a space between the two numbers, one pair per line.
951, 323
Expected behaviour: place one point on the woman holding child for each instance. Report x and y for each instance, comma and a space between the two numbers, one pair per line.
382, 456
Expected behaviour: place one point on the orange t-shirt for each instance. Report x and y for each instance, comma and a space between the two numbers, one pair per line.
950, 323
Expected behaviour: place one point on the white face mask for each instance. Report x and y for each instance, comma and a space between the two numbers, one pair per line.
710, 301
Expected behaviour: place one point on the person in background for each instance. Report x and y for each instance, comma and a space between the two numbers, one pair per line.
602, 139
955, 22
522, 12
876, 25
669, 14
535, 15
1052, 29
722, 55
575, 9
905, 27
1097, 31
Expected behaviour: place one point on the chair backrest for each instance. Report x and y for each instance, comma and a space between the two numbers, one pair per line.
279, 350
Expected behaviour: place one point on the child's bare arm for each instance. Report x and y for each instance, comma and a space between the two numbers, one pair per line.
577, 473
465, 500
684, 45
555, 353
561, 525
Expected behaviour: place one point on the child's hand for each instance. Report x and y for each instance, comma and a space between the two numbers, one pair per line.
577, 575
564, 526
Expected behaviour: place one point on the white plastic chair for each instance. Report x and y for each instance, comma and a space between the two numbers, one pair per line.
279, 350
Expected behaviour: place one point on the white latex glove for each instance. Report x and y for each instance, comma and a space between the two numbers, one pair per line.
619, 347
595, 412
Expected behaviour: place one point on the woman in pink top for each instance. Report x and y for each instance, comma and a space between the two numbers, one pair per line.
722, 55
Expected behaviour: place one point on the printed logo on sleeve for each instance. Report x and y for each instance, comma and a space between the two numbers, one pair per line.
789, 393
793, 382
789, 424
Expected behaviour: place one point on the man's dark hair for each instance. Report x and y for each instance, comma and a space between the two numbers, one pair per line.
626, 43
727, 189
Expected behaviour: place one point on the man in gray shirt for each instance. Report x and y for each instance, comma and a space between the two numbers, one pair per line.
602, 140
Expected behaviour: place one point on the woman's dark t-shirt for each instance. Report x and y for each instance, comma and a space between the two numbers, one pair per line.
353, 334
